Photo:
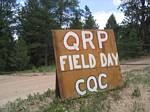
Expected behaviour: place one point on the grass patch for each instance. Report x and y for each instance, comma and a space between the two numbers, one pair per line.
33, 103
136, 92
108, 101
42, 69
50, 68
88, 103
138, 77
137, 107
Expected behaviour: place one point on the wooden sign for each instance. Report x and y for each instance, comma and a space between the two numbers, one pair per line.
86, 61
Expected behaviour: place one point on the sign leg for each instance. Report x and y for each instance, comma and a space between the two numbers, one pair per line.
57, 92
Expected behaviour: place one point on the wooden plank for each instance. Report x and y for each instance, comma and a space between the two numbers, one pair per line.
92, 65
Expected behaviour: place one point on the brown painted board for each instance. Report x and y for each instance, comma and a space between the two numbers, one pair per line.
86, 61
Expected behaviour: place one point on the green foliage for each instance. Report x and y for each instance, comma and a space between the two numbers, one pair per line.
37, 18
90, 23
21, 57
93, 102
136, 92
138, 77
65, 11
137, 13
128, 43
33, 103
42, 69
137, 107
36, 23
112, 24
17, 58
116, 94
4, 42
7, 43
76, 22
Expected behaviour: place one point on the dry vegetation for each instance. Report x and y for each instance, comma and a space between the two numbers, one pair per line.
134, 96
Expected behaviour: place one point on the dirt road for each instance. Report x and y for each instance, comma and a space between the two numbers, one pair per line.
14, 86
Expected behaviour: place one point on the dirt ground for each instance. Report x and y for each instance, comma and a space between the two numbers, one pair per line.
15, 86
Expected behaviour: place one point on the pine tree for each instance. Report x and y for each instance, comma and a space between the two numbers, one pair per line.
128, 44
112, 24
7, 29
36, 23
37, 18
137, 12
21, 55
76, 22
90, 23
65, 12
